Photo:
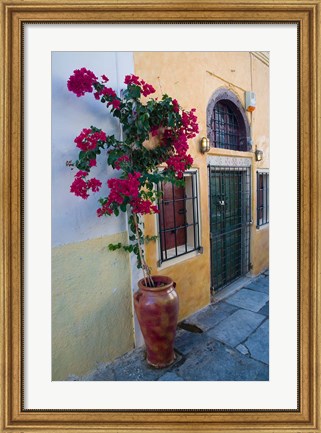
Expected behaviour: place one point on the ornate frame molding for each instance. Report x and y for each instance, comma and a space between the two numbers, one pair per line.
307, 15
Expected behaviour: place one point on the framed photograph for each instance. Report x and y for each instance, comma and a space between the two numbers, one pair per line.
239, 235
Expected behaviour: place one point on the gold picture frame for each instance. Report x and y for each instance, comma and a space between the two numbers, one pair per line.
307, 15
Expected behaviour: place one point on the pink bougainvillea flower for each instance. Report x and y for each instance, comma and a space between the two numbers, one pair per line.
179, 164
154, 130
92, 163
143, 207
104, 210
119, 190
190, 125
108, 91
94, 184
175, 106
104, 78
146, 88
120, 160
81, 82
115, 103
81, 186
132, 79
88, 140
81, 173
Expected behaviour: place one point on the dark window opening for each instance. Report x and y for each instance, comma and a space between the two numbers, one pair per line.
228, 129
262, 198
179, 218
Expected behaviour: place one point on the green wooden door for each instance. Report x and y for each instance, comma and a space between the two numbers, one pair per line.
229, 209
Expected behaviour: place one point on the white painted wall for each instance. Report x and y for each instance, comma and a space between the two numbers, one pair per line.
74, 219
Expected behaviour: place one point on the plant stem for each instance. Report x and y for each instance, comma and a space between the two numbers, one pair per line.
146, 272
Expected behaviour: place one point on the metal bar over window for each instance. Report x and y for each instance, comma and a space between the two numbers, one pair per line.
226, 128
178, 219
262, 208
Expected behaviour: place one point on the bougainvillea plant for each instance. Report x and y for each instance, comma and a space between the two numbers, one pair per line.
138, 159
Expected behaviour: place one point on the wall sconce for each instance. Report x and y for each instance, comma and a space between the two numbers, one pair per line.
258, 155
205, 145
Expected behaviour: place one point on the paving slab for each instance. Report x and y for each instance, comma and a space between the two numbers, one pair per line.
211, 315
217, 362
265, 310
248, 299
170, 377
186, 341
258, 343
261, 284
236, 328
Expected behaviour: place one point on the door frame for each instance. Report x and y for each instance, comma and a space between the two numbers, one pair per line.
233, 164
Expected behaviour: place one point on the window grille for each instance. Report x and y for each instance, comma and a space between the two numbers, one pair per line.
227, 131
262, 210
179, 218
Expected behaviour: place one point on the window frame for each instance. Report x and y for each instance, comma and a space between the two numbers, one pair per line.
231, 100
263, 207
227, 131
163, 259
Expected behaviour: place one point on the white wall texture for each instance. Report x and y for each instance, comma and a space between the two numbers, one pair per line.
74, 219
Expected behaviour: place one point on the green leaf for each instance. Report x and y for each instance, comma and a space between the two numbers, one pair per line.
113, 247
148, 238
134, 91
128, 248
91, 154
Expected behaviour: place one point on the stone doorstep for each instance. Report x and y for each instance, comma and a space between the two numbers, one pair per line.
232, 288
259, 283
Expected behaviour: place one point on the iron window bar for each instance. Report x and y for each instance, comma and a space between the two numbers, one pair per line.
262, 198
227, 133
173, 247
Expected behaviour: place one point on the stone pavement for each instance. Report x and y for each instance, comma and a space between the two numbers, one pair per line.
225, 341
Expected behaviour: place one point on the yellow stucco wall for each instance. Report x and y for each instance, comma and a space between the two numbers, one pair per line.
192, 78
91, 305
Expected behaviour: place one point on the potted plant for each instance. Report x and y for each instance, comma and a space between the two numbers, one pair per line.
155, 133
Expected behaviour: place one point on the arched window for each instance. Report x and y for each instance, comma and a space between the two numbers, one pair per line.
227, 123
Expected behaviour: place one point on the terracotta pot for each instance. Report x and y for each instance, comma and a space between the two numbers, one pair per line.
157, 313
